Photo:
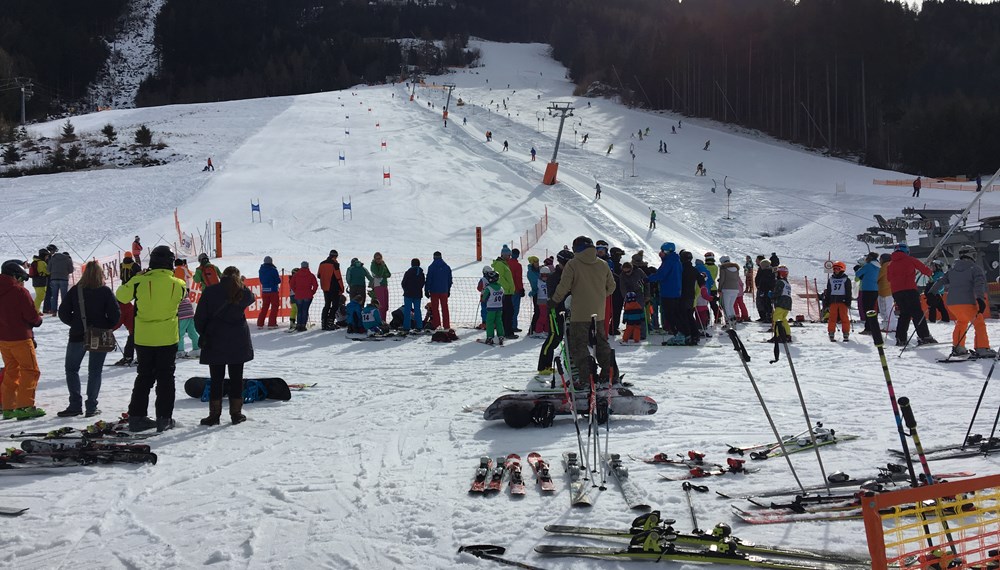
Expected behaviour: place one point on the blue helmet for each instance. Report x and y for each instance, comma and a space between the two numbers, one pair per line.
630, 297
903, 248
668, 246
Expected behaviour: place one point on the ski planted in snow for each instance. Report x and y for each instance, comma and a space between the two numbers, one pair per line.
579, 493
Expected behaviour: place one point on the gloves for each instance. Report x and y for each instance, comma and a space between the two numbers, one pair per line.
520, 293
982, 305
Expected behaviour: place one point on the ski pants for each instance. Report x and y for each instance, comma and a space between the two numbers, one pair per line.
439, 311
633, 331
714, 303
412, 304
555, 337
869, 302
155, 365
779, 318
75, 353
515, 307
729, 298
382, 294
129, 350
269, 309
935, 305
185, 327
40, 293
764, 308
302, 314
908, 303
20, 377
964, 314
330, 302
579, 351
742, 314
839, 312
217, 372
494, 323
888, 312
678, 313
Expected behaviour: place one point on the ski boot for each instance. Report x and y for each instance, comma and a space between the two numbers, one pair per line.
958, 353
500, 340
163, 424
927, 340
141, 423
986, 352
846, 336
28, 413
833, 337
490, 341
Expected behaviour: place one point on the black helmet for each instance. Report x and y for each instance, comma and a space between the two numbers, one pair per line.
13, 268
43, 252
202, 258
161, 257
52, 248
581, 243
492, 276
686, 255
564, 256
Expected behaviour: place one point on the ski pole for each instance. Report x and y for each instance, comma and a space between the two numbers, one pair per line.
744, 359
26, 258
880, 346
923, 319
980, 401
491, 552
805, 411
571, 399
594, 420
911, 424
687, 486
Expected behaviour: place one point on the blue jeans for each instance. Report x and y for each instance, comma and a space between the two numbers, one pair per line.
57, 291
302, 316
95, 366
412, 304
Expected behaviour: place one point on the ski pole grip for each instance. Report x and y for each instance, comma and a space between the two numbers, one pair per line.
904, 406
874, 327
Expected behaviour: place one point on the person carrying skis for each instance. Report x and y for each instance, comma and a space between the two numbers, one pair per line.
867, 275
207, 274
901, 275
590, 282
18, 316
332, 284
493, 300
413, 287
781, 295
303, 285
966, 285
838, 299
157, 294
358, 278
438, 288
935, 302
553, 311
270, 287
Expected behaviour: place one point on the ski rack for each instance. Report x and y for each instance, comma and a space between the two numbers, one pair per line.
963, 519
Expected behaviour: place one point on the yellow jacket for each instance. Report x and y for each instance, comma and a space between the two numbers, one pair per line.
157, 294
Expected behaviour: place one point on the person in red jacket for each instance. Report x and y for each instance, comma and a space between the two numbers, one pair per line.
137, 252
304, 286
17, 344
901, 274
517, 272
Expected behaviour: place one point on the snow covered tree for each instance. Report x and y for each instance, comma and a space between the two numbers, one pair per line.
109, 132
10, 154
68, 131
144, 136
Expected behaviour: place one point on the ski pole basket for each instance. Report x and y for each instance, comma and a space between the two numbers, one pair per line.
935, 526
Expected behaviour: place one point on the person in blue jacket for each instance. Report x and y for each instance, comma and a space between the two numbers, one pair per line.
700, 266
867, 274
371, 318
413, 286
353, 310
438, 288
668, 276
270, 283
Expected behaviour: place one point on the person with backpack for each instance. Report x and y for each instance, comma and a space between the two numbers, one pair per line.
89, 303
182, 272
18, 316
128, 268
270, 287
225, 342
304, 286
157, 294
332, 284
207, 274
438, 289
413, 287
781, 296
39, 273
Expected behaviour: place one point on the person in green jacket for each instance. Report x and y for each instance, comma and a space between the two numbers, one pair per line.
357, 278
157, 294
380, 279
501, 266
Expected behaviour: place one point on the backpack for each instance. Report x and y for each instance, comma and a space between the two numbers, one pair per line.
210, 275
33, 269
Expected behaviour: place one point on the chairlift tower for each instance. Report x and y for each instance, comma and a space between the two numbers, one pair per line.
561, 110
450, 87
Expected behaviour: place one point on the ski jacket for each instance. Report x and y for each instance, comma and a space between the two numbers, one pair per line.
764, 280
438, 278
353, 313
357, 275
222, 324
17, 311
590, 282
185, 310
965, 282
207, 275
669, 276
633, 313
184, 274
127, 317
270, 280
39, 272
329, 276
902, 272
413, 282
137, 250
303, 284
371, 317
729, 277
700, 267
493, 296
551, 285
781, 295
127, 270
102, 310
868, 274
689, 281
517, 275
838, 289
884, 290
380, 273
713, 269
542, 293
157, 294
533, 273
506, 278
634, 282
60, 266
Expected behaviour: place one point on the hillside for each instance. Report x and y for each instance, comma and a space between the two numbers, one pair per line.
370, 468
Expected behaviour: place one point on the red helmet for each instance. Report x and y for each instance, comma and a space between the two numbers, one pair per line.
782, 271
709, 255
839, 266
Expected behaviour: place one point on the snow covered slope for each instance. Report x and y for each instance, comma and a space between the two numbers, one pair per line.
370, 469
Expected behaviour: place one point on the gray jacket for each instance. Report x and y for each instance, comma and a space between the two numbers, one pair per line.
729, 276
965, 282
60, 266
634, 283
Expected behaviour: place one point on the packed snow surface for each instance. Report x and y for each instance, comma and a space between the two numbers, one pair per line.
371, 468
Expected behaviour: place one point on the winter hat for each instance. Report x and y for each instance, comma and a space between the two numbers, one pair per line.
872, 256
532, 259
903, 248
550, 261
128, 255
686, 255
581, 243
515, 253
765, 264
437, 255
724, 259
545, 270
505, 250
304, 265
627, 266
967, 251
637, 257
333, 253
268, 260
161, 257
668, 247
178, 262
414, 262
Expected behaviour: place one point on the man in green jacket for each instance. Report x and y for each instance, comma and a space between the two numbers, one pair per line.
357, 278
501, 266
157, 294
588, 279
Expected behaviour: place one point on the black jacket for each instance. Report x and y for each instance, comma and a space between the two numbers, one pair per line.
103, 311
689, 282
764, 280
225, 336
413, 282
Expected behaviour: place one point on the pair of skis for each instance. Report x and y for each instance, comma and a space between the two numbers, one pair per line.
490, 476
85, 453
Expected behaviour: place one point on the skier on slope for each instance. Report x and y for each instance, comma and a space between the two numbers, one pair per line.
966, 285
837, 297
552, 312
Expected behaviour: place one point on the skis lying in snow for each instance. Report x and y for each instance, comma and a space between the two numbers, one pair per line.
734, 466
802, 446
497, 475
693, 459
513, 466
541, 469
579, 493
482, 472
975, 445
775, 445
848, 509
632, 493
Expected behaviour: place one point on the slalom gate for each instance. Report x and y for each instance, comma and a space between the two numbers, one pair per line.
945, 525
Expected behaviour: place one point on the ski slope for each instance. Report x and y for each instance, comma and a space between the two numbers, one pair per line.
370, 469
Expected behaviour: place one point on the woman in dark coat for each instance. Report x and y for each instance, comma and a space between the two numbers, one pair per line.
225, 341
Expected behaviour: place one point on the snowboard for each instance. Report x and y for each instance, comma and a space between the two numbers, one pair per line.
516, 409
276, 388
